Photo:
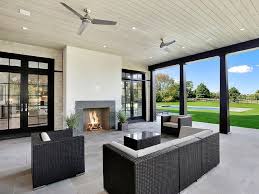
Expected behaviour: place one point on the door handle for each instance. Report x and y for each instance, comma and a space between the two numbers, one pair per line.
22, 107
26, 107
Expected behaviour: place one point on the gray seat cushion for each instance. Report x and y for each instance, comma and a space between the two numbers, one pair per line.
170, 124
187, 131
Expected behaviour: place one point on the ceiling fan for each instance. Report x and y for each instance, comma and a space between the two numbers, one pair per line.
164, 44
86, 19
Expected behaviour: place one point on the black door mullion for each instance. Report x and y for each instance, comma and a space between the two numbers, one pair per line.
131, 98
24, 95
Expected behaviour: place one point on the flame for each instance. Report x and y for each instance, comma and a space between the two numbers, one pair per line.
93, 117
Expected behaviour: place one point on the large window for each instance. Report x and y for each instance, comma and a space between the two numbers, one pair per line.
243, 74
167, 90
203, 89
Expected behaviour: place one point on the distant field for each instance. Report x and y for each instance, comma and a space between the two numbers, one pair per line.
249, 119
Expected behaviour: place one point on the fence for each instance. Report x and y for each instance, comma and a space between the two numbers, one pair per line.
245, 101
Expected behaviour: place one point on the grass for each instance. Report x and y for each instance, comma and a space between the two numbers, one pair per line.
248, 119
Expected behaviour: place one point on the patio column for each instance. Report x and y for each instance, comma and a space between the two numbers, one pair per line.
183, 92
152, 96
224, 126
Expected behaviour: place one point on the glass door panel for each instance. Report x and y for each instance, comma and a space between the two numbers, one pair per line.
128, 98
4, 79
38, 100
10, 116
14, 100
137, 98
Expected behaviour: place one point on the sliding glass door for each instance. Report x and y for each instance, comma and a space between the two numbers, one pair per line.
133, 94
26, 93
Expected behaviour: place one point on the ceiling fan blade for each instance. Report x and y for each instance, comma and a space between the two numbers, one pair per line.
82, 27
72, 10
103, 22
168, 43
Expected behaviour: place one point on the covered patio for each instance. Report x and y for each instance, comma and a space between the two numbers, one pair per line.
77, 78
237, 172
224, 120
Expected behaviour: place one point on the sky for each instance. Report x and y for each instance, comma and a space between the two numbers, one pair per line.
243, 72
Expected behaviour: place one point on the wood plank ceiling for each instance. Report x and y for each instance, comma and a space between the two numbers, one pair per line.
197, 26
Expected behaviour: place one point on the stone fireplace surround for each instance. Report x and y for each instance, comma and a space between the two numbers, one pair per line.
81, 106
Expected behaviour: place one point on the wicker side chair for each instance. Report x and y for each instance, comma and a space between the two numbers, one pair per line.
173, 123
62, 157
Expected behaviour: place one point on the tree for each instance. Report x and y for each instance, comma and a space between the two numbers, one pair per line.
202, 91
257, 95
214, 95
167, 88
189, 89
234, 93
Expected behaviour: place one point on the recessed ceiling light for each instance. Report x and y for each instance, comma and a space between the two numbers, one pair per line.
183, 47
242, 29
104, 46
150, 57
25, 28
133, 28
24, 12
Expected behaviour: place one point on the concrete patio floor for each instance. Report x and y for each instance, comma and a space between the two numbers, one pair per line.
237, 173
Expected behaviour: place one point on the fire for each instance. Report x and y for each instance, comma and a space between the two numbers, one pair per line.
93, 117
94, 121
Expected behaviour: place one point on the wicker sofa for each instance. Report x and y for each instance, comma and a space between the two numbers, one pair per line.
58, 159
173, 123
167, 168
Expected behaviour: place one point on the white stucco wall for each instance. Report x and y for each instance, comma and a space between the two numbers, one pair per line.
90, 75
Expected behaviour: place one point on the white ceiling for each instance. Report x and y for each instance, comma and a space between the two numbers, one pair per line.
196, 25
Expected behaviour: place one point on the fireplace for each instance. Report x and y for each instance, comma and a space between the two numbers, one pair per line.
97, 119
95, 115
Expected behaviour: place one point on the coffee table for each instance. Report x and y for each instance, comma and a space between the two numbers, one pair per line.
141, 140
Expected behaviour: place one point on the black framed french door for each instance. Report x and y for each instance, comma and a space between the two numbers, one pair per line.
133, 94
26, 93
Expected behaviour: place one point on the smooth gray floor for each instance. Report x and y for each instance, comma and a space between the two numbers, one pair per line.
238, 172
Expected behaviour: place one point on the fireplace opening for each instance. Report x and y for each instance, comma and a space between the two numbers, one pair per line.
97, 119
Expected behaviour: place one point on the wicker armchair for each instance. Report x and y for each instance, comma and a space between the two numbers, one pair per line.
173, 123
58, 159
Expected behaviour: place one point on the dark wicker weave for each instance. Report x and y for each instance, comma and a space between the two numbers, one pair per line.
167, 171
156, 173
182, 121
210, 152
190, 162
58, 159
137, 144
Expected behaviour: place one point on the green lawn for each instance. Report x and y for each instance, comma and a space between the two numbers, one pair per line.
249, 119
